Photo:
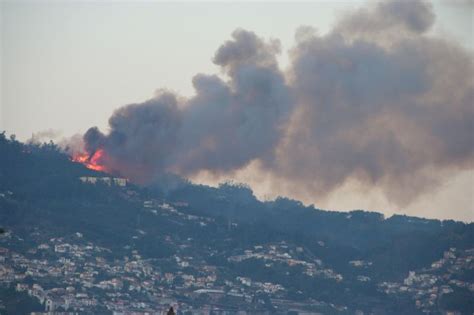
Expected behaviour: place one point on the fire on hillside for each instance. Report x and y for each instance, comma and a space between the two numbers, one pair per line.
93, 162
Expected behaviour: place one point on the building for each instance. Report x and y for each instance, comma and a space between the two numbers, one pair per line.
117, 181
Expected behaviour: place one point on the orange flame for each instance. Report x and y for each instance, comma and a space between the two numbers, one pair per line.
91, 162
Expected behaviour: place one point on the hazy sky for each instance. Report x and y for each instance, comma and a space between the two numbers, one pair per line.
66, 66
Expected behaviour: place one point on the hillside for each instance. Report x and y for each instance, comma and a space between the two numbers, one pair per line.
142, 248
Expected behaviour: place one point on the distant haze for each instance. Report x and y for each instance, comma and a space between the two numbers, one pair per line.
374, 112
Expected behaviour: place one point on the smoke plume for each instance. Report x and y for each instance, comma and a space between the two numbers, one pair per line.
376, 100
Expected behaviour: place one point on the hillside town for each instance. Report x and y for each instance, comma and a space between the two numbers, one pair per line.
115, 248
72, 274
427, 285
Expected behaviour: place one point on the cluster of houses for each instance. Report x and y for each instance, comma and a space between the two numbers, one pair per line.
74, 275
428, 285
282, 253
110, 181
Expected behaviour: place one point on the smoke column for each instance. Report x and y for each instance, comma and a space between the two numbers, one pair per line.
376, 100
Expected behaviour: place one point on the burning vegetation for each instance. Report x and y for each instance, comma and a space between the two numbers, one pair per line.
92, 161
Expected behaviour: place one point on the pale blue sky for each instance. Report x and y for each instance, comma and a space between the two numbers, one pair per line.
67, 65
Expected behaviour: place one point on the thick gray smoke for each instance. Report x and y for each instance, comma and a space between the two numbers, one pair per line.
222, 128
228, 124
142, 139
376, 99
395, 114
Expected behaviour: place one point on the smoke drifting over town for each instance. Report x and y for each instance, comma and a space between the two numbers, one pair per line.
376, 100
